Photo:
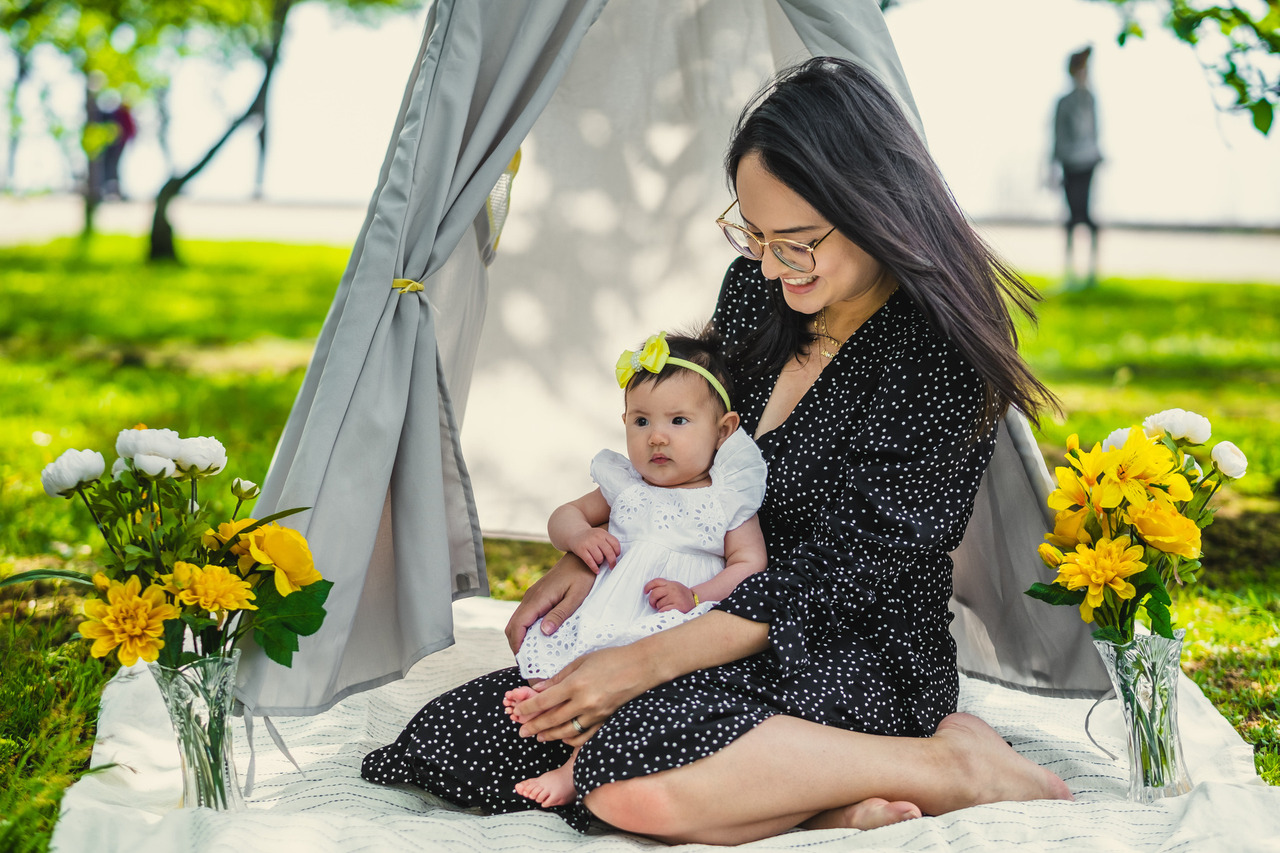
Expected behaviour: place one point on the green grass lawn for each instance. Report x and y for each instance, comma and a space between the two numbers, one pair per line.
93, 343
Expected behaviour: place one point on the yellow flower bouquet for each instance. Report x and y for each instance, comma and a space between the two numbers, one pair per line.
177, 584
180, 588
1128, 516
1129, 512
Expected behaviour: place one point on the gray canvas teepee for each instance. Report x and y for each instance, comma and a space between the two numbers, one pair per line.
620, 114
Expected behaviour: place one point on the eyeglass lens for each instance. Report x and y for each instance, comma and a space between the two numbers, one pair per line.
795, 255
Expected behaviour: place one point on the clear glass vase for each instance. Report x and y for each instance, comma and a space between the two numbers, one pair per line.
1145, 675
199, 696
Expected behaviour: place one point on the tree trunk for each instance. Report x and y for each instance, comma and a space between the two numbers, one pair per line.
15, 118
162, 246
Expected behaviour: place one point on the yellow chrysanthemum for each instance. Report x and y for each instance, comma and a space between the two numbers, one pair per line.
1099, 568
216, 588
285, 550
127, 620
228, 530
1165, 529
1140, 470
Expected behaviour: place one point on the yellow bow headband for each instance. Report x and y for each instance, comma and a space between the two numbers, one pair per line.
655, 355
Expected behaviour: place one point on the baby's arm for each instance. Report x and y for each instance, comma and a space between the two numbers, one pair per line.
575, 527
744, 555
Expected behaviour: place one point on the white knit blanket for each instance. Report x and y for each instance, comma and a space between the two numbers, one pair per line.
328, 808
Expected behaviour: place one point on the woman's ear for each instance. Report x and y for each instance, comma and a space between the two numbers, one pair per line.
728, 424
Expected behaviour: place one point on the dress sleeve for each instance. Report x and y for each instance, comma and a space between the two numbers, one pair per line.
874, 558
739, 472
613, 473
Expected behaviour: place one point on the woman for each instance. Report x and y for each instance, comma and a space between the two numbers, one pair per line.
873, 354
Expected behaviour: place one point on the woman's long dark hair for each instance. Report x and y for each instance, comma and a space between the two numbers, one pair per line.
832, 133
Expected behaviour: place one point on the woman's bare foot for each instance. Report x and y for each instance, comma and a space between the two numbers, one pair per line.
871, 813
514, 696
554, 788
989, 769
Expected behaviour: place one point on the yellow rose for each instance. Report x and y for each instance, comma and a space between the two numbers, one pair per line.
228, 530
1052, 556
1165, 529
285, 550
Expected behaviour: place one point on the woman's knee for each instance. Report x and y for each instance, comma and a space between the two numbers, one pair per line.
645, 805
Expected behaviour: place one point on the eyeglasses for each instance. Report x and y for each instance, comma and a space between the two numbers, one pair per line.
797, 256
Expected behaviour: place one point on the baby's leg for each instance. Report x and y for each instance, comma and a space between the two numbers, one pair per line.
553, 788
513, 697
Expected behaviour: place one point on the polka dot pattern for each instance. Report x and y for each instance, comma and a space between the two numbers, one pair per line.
871, 483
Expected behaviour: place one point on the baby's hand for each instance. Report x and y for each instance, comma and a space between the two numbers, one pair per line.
669, 595
597, 547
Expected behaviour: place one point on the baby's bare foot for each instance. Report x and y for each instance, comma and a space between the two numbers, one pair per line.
991, 770
871, 813
515, 696
554, 788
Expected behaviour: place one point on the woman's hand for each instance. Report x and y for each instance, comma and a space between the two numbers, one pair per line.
589, 690
595, 685
552, 599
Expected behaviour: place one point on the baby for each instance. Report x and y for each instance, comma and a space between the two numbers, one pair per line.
681, 507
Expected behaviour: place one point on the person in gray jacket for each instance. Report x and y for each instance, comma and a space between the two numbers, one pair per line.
1075, 147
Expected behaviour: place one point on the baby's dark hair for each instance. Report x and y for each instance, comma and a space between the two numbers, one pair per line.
704, 349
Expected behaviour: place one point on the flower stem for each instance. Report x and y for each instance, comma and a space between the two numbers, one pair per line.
97, 521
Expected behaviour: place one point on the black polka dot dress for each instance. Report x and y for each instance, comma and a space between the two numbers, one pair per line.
871, 483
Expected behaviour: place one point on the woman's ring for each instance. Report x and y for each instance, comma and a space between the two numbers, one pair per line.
577, 726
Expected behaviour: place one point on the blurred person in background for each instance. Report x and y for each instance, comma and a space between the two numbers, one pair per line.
1075, 149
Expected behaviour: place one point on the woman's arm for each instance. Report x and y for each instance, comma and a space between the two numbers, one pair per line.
595, 685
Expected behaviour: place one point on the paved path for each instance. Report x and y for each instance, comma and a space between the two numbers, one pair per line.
1177, 254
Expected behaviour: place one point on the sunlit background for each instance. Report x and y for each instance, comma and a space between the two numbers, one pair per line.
985, 74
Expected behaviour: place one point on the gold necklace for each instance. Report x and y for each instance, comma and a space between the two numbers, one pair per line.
822, 333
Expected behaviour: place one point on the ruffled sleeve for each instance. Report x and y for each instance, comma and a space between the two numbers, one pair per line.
613, 473
738, 472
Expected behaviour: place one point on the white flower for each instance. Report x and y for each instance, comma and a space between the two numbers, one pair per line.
117, 467
1192, 470
201, 456
1179, 424
154, 466
245, 490
70, 471
153, 442
1116, 439
1230, 460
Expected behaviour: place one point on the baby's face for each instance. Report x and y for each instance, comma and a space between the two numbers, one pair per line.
673, 430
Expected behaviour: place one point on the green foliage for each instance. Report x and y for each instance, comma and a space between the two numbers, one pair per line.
49, 692
218, 347
1237, 45
1051, 593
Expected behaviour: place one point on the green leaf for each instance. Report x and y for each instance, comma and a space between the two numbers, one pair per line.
277, 642
48, 574
1158, 613
1263, 114
1110, 634
1055, 594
